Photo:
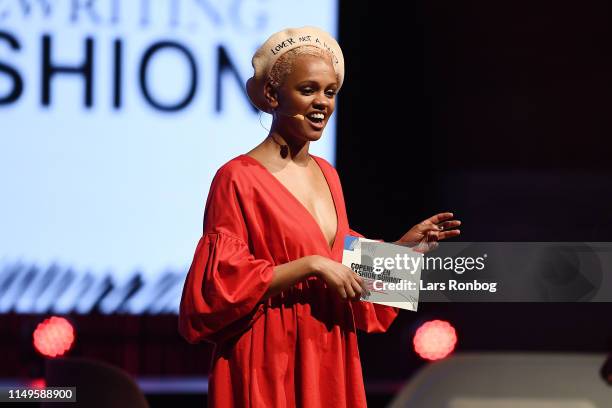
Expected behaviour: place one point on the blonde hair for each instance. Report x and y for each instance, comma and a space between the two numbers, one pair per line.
285, 63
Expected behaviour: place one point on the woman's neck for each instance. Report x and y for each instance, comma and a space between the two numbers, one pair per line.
297, 151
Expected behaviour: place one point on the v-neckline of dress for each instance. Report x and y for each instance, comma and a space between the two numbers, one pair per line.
300, 204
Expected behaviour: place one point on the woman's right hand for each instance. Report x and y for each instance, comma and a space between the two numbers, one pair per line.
338, 277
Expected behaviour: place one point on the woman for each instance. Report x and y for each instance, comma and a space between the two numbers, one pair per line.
266, 284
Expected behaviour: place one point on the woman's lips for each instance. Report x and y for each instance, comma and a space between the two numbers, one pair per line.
316, 125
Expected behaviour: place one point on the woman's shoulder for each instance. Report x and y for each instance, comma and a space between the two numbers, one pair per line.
237, 174
240, 167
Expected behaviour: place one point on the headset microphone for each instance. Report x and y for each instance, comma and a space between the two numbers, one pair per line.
296, 116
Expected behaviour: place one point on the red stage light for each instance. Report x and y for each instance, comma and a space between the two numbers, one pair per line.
37, 383
53, 337
435, 340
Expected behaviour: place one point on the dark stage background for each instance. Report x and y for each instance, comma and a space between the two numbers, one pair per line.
497, 111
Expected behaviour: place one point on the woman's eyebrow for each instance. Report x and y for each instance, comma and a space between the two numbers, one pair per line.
314, 82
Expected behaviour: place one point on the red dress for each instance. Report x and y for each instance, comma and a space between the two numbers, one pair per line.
298, 348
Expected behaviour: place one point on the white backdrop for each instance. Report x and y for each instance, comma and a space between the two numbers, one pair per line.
118, 189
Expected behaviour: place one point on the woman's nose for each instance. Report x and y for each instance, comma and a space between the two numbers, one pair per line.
320, 101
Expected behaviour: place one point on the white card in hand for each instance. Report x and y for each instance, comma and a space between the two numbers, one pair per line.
391, 272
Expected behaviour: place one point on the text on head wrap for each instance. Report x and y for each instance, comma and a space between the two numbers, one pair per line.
307, 38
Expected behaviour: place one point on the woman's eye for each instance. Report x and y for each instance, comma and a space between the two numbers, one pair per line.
331, 94
307, 90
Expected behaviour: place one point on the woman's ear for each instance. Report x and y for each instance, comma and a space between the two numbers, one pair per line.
271, 95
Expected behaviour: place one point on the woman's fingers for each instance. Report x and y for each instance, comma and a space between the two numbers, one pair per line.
348, 287
342, 291
438, 218
428, 225
358, 278
448, 234
443, 230
449, 224
439, 236
357, 288
362, 286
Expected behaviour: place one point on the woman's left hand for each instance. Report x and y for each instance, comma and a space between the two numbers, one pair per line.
427, 233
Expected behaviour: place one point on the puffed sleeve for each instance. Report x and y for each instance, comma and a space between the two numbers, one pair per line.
225, 283
372, 317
